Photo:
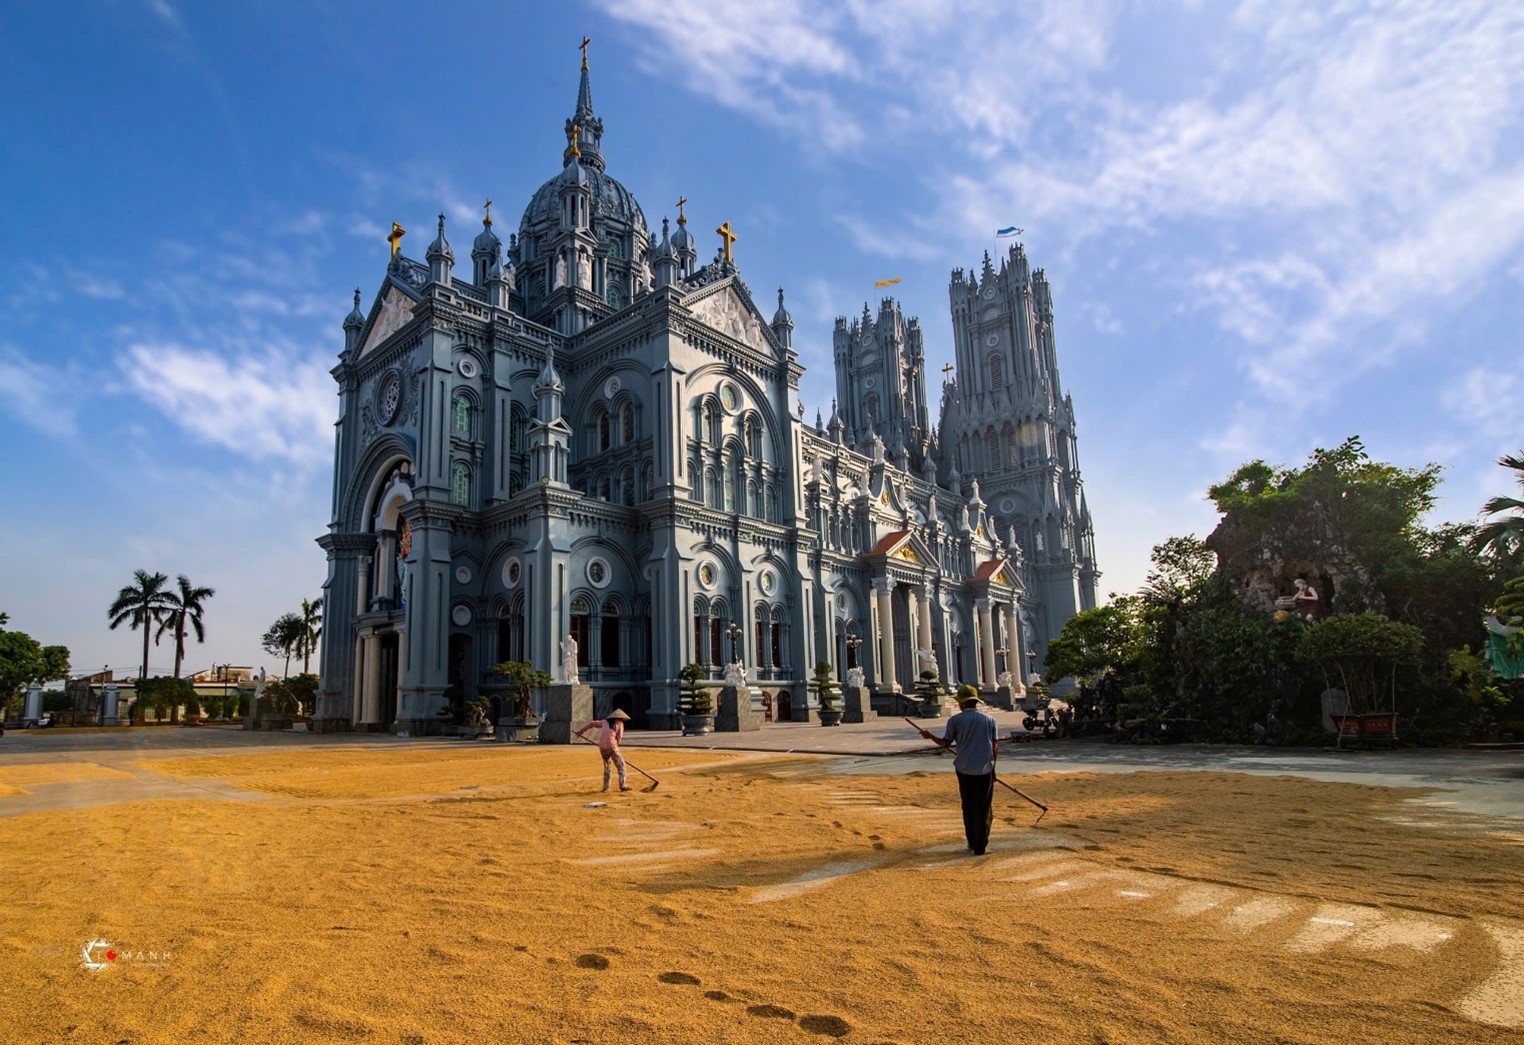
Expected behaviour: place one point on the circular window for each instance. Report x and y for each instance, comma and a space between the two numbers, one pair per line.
706, 574
390, 397
463, 574
461, 615
511, 570
992, 340
841, 602
1008, 505
768, 582
598, 572
611, 387
466, 366
729, 396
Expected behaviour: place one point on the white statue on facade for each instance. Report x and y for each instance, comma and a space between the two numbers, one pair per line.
735, 674
560, 272
927, 660
569, 660
855, 676
1004, 678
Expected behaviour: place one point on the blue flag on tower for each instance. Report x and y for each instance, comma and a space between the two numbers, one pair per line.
1008, 232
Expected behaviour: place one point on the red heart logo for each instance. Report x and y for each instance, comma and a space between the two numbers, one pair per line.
111, 956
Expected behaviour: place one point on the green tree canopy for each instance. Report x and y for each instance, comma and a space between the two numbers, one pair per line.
284, 637
141, 604
24, 660
1093, 642
183, 608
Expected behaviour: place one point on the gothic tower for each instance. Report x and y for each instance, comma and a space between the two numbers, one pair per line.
881, 385
1006, 420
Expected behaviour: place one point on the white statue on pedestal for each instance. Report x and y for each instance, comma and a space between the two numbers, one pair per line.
855, 676
569, 660
1004, 678
927, 660
735, 674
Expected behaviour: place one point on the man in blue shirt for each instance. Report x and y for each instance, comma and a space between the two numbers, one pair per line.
973, 735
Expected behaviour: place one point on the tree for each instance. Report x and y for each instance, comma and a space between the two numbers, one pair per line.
23, 660
1355, 645
183, 607
1093, 642
1182, 567
824, 685
694, 697
141, 604
169, 692
284, 637
1503, 539
312, 630
523, 679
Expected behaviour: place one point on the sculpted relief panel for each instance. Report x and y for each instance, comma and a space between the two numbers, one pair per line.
725, 313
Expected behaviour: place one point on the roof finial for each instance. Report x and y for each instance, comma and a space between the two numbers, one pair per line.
682, 219
585, 41
571, 139
395, 239
727, 238
487, 221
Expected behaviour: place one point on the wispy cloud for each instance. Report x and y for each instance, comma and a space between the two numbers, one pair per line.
35, 394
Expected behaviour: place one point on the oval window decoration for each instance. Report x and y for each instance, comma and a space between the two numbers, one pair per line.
467, 367
461, 615
463, 574
511, 571
706, 574
598, 572
611, 387
729, 397
389, 398
768, 582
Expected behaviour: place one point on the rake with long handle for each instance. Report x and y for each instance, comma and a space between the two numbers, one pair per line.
1002, 783
654, 782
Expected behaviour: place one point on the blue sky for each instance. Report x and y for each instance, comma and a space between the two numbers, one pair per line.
1267, 225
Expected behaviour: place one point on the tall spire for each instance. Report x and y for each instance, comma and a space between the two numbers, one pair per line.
584, 131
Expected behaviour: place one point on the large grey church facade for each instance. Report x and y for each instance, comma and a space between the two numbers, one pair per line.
590, 435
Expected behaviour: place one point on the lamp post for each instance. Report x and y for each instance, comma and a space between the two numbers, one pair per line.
1031, 664
853, 642
225, 713
734, 631
1004, 653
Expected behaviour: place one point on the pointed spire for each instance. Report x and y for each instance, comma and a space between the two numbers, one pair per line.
352, 324
440, 257
584, 130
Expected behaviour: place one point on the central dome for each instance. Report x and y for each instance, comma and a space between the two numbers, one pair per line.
612, 203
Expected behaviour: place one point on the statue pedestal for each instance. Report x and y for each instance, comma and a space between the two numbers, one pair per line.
736, 713
110, 706
857, 705
32, 709
567, 706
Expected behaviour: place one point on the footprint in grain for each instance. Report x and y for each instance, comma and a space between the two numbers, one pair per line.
774, 1012
719, 996
830, 1026
679, 977
592, 961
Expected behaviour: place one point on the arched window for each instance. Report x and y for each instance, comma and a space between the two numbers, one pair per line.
730, 490
759, 611
462, 416
517, 426
627, 423
870, 409
712, 481
997, 370
580, 609
753, 437
701, 631
994, 447
719, 618
647, 480
627, 485
461, 487
603, 431
616, 296
603, 487
778, 641
608, 640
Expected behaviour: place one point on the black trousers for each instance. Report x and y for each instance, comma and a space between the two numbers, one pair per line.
978, 795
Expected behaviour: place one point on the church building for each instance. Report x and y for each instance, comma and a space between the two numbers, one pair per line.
586, 434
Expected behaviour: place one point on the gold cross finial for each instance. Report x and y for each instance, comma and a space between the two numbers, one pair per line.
946, 370
488, 207
395, 239
571, 139
681, 218
585, 41
727, 237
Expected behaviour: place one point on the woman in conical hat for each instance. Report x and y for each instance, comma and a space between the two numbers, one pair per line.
610, 733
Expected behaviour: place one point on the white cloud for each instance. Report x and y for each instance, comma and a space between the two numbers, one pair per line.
1488, 399
35, 394
257, 407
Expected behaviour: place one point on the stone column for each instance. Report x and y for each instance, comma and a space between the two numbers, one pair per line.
923, 619
986, 644
885, 591
370, 702
32, 708
362, 604
110, 716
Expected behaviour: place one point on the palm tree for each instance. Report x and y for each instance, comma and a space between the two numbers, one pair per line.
1504, 538
312, 629
183, 607
283, 637
141, 606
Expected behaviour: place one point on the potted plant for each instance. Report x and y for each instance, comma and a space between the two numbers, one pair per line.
695, 702
929, 692
523, 679
824, 685
476, 721
1357, 649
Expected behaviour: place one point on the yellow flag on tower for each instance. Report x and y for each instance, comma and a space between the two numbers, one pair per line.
886, 282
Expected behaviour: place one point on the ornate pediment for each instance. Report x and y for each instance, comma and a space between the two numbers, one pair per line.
727, 313
388, 315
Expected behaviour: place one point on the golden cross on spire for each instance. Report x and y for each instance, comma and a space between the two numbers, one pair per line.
571, 139
488, 207
585, 41
945, 371
681, 218
727, 237
395, 239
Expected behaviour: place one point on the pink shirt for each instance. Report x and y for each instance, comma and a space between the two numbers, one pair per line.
609, 734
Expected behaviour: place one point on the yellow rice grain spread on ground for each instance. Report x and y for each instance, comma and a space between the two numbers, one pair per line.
495, 895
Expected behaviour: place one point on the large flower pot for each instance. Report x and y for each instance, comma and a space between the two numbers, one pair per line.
518, 727
829, 718
698, 725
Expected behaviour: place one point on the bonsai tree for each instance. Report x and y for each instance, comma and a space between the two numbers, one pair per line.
928, 690
1353, 646
824, 685
523, 679
477, 711
280, 694
695, 698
